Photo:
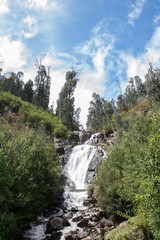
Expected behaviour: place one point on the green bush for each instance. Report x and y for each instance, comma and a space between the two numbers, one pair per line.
60, 131
33, 116
128, 180
29, 176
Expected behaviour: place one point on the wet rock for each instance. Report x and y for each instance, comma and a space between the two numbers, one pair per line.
68, 215
77, 218
70, 184
66, 223
57, 212
72, 235
56, 236
74, 209
83, 223
55, 223
86, 202
82, 235
105, 223
94, 218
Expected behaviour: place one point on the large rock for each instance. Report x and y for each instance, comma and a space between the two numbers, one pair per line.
83, 223
105, 223
81, 235
56, 236
68, 215
72, 235
77, 218
55, 223
66, 223
92, 168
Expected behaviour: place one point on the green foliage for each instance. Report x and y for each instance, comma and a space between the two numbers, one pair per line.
29, 176
65, 104
60, 131
130, 230
148, 198
33, 116
100, 114
96, 113
43, 83
128, 180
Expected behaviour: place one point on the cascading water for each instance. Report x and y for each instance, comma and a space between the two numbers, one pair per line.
76, 171
75, 190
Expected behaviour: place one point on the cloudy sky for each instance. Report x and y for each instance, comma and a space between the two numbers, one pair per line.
103, 40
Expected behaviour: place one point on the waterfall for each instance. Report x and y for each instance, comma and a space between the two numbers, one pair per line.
76, 171
75, 190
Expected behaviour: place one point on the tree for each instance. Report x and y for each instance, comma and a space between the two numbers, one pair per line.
28, 91
153, 84
96, 113
121, 103
131, 94
140, 87
13, 83
42, 83
65, 103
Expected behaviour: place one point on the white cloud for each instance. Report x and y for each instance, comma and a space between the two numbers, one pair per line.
156, 19
11, 54
82, 100
93, 76
30, 21
30, 34
32, 27
153, 47
3, 7
136, 10
41, 4
139, 66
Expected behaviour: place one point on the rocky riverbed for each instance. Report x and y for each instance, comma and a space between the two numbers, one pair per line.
88, 223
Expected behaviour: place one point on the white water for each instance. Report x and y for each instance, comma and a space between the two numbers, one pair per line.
76, 171
75, 190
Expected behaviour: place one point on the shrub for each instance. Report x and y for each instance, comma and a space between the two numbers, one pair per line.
60, 131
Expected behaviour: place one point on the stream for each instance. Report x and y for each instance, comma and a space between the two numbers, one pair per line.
75, 193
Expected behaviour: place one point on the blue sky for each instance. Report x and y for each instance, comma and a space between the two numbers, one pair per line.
103, 40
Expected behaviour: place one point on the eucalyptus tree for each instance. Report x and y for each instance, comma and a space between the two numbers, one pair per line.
28, 91
95, 113
131, 94
153, 84
42, 85
13, 83
65, 103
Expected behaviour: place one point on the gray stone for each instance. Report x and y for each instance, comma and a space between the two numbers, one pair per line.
55, 223
77, 218
82, 235
68, 215
83, 223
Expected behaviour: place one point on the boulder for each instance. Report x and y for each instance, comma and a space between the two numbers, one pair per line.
68, 215
56, 236
83, 223
82, 235
105, 223
77, 218
74, 209
66, 223
54, 223
72, 235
